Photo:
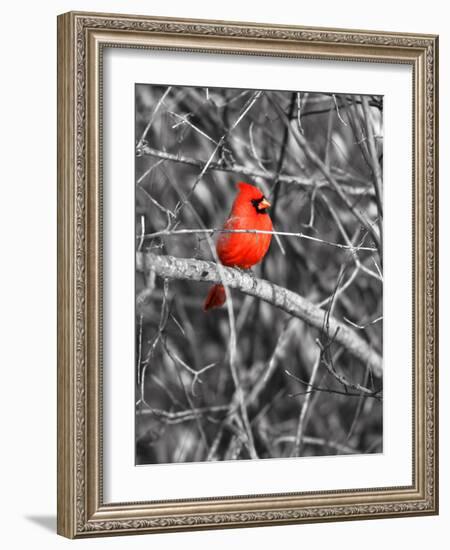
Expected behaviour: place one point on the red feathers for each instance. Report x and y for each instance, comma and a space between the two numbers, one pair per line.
244, 250
216, 297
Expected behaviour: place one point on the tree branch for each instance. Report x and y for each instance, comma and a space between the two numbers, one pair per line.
208, 272
302, 420
251, 172
340, 190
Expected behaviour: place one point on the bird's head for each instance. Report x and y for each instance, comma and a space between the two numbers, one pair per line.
252, 197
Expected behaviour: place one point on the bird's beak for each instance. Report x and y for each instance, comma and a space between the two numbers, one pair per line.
264, 204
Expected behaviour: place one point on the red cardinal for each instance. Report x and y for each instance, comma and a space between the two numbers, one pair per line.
243, 250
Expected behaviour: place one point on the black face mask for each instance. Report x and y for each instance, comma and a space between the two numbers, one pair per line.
257, 204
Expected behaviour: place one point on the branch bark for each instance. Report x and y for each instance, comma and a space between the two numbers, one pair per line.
207, 272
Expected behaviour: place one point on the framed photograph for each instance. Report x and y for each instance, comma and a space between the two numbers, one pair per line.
247, 276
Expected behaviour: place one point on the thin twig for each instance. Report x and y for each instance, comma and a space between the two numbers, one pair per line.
149, 171
365, 325
198, 417
313, 157
195, 373
340, 377
169, 214
185, 120
373, 158
277, 355
302, 420
142, 235
153, 115
314, 389
162, 324
253, 148
139, 350
166, 231
321, 442
337, 111
373, 151
188, 415
299, 111
359, 406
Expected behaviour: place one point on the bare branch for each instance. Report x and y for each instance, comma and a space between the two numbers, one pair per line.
187, 415
195, 373
294, 304
313, 157
142, 235
153, 115
372, 149
348, 246
365, 325
321, 442
253, 172
337, 111
374, 162
275, 359
185, 120
340, 377
299, 110
304, 410
324, 389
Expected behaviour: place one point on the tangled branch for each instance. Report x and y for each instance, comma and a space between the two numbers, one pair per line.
236, 168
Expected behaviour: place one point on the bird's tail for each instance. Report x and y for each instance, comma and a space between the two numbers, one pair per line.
216, 297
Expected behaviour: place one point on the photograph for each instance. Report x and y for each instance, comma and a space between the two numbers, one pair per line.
259, 274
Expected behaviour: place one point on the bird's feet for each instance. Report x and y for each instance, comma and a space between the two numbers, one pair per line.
247, 271
250, 272
244, 270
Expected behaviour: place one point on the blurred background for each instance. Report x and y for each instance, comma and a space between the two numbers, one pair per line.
304, 394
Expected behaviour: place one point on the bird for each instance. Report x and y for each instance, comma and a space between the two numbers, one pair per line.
242, 250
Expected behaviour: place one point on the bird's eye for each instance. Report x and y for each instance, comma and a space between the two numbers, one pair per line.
261, 205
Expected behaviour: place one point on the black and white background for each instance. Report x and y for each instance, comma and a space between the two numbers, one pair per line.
261, 383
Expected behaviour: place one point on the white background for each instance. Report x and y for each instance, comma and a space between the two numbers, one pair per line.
123, 482
28, 275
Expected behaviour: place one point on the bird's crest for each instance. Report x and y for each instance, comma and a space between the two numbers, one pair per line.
249, 189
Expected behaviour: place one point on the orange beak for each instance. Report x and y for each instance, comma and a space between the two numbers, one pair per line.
264, 204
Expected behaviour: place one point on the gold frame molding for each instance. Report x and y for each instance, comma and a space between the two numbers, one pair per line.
81, 37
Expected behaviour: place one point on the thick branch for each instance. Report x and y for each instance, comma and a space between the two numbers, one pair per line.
294, 304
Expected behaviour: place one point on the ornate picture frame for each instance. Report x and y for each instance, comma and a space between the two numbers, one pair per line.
82, 38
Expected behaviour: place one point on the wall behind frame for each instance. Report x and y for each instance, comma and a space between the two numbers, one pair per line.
28, 274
